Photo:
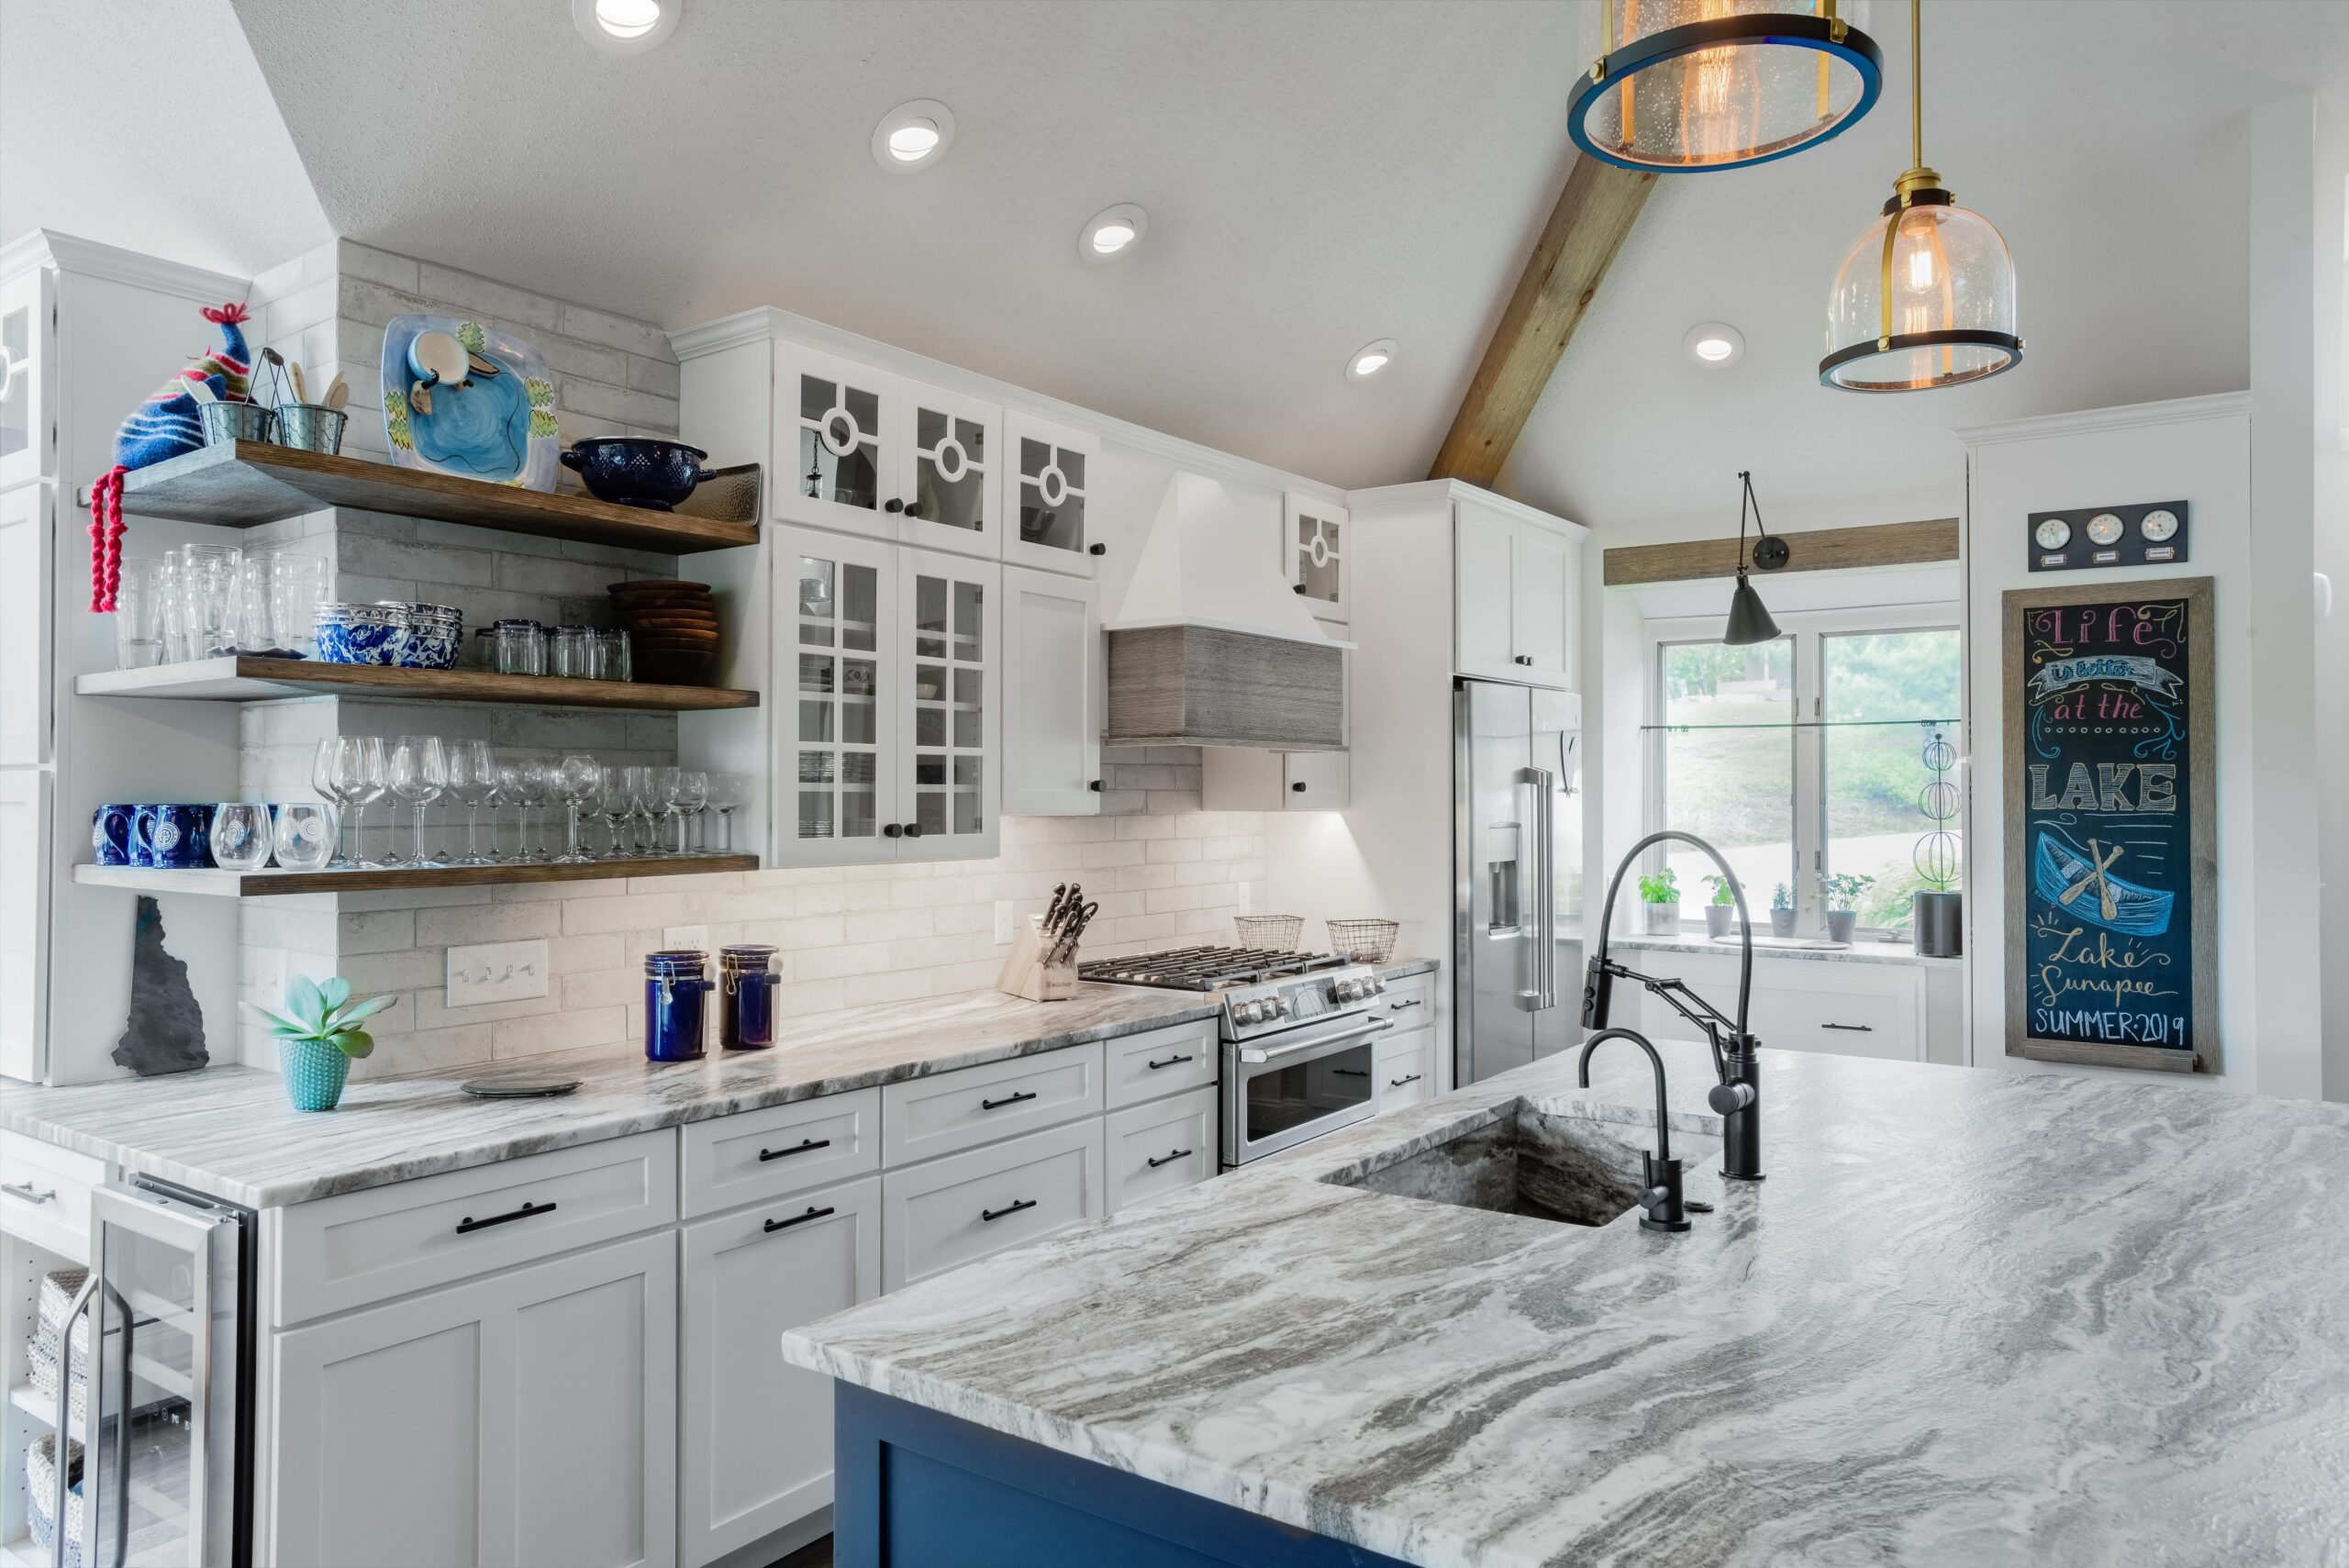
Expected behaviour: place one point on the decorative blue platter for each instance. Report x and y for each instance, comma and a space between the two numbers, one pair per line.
463, 397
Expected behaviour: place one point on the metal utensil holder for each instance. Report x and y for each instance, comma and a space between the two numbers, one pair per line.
311, 427
225, 422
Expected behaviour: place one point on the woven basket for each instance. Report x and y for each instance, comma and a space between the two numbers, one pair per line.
58, 1290
1365, 942
1269, 933
41, 1491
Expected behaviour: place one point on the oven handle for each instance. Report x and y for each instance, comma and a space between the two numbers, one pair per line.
1255, 1055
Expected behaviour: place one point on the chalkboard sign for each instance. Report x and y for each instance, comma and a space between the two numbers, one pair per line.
2111, 825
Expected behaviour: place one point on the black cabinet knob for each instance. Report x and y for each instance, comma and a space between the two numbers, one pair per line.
889, 829
1094, 787
1298, 786
913, 508
1097, 549
913, 829
1523, 659
893, 505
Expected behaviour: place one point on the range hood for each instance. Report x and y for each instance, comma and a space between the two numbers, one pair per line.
1211, 645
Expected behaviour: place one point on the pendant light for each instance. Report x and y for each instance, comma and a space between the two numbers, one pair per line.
1926, 296
1749, 622
1682, 85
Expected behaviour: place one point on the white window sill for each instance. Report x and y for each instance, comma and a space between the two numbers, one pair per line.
1815, 948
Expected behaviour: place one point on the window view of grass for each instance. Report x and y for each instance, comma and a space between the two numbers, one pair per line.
1876, 777
1733, 787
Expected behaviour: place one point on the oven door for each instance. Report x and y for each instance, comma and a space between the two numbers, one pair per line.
1280, 1091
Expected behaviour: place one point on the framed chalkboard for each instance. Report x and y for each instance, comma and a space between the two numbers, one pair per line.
2111, 825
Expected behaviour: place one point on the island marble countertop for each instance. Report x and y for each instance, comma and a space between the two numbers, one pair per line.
1971, 1317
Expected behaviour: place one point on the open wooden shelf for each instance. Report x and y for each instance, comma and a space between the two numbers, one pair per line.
215, 883
246, 677
241, 485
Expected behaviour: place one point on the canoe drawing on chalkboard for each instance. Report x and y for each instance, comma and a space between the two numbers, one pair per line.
2083, 884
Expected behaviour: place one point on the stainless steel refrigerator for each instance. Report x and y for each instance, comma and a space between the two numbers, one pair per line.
1516, 823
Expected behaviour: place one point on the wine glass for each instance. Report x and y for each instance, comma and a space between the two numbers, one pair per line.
693, 795
473, 779
573, 782
509, 793
322, 780
537, 789
639, 808
419, 771
358, 777
241, 836
666, 786
611, 810
725, 797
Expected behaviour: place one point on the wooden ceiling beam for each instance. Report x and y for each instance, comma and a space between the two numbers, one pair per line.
1820, 549
1594, 213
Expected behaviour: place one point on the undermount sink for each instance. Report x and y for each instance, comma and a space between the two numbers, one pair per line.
1540, 1163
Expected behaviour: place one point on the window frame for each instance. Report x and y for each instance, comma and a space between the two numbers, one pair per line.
1808, 630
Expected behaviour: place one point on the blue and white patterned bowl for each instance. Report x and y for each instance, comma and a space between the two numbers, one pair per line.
435, 633
361, 634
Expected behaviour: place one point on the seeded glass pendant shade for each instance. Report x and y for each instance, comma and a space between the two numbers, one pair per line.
1682, 85
1925, 297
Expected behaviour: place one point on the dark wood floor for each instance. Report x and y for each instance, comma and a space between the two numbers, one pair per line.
817, 1554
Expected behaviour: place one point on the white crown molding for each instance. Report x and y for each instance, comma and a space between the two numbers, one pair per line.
1423, 493
768, 323
2128, 417
87, 257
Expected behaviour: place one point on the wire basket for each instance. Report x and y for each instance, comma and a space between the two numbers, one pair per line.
1270, 933
1365, 942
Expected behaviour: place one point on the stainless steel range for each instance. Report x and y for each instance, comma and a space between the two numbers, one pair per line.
1299, 1032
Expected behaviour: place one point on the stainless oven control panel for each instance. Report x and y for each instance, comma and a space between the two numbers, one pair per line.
1250, 1011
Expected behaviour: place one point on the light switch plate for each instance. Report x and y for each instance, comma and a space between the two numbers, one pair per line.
496, 972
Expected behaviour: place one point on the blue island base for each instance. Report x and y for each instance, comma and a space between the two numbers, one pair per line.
913, 1489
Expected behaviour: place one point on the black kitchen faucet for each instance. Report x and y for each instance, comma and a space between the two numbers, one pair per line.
1661, 1195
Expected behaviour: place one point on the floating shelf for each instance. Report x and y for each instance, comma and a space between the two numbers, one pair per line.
246, 677
216, 884
242, 485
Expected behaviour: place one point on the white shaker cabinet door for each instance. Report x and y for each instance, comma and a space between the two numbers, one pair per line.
521, 1418
28, 377
758, 1434
835, 696
950, 486
949, 707
1484, 566
24, 926
1545, 590
27, 593
838, 429
1047, 496
1052, 694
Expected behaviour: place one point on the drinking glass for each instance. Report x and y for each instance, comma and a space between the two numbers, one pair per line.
664, 801
569, 651
256, 629
419, 771
322, 780
725, 796
611, 798
509, 793
304, 836
296, 584
614, 662
573, 780
640, 808
241, 836
211, 575
693, 793
537, 790
473, 779
170, 606
357, 779
140, 621
521, 647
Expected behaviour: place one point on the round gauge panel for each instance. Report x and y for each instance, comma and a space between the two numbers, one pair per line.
2053, 533
2104, 528
2159, 524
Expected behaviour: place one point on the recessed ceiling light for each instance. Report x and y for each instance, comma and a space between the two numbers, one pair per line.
913, 136
1714, 344
1112, 233
1370, 358
624, 27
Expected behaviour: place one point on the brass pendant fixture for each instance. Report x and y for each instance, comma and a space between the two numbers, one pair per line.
1685, 85
1925, 297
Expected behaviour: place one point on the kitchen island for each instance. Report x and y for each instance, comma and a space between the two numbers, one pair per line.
1971, 1317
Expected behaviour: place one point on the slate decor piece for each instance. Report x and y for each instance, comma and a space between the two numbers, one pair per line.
2111, 825
166, 1029
465, 399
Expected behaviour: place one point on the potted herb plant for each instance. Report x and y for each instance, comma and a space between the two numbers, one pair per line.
1720, 907
1662, 897
318, 1037
1782, 911
1844, 890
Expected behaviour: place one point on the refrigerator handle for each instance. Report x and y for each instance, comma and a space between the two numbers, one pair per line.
1543, 905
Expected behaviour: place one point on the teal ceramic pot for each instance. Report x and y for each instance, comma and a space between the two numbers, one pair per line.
314, 1072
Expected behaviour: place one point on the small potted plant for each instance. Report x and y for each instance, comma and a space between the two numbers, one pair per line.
318, 1037
1662, 897
1845, 890
1720, 907
1782, 911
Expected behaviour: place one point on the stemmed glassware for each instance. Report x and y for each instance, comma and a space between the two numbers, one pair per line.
666, 786
539, 785
640, 808
573, 780
472, 781
351, 772
725, 797
420, 772
612, 810
691, 794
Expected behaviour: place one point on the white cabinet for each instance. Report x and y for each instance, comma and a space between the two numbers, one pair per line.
1313, 549
1405, 1066
1047, 493
940, 1113
759, 1156
1052, 694
24, 918
1233, 778
521, 1418
1163, 1147
890, 658
1517, 587
757, 1439
942, 1214
27, 533
952, 456
1845, 1008
28, 377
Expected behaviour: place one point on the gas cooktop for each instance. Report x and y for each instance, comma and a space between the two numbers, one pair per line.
1206, 968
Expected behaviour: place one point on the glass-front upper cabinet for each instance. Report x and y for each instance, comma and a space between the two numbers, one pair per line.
833, 789
950, 621
27, 402
951, 490
1313, 550
1048, 492
836, 442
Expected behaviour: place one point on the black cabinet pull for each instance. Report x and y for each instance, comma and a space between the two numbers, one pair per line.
1399, 1006
1298, 786
1097, 550
800, 1148
893, 505
1398, 1083
913, 508
992, 1214
1350, 1072
1855, 1029
1169, 1160
1008, 1100
1521, 658
1094, 787
890, 829
469, 1223
774, 1225
913, 829
1169, 1062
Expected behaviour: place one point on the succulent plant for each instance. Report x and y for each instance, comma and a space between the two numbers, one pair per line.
325, 1013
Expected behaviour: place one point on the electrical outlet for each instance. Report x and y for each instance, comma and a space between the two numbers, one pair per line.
685, 939
496, 972
1004, 929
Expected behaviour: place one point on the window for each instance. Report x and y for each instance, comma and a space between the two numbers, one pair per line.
1809, 758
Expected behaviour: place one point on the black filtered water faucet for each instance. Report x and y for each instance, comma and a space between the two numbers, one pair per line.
1660, 1194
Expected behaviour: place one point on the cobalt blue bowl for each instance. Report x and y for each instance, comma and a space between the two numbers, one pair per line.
635, 471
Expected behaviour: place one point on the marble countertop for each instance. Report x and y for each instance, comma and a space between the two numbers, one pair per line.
228, 1131
1971, 1317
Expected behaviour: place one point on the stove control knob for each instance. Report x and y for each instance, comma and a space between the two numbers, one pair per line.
1252, 1012
1376, 985
1279, 1006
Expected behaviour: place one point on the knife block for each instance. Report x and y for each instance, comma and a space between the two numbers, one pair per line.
1025, 973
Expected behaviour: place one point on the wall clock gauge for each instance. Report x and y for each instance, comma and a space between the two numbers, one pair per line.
2054, 533
2159, 524
2104, 528
2141, 533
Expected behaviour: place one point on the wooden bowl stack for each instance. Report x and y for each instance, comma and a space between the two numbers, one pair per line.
671, 629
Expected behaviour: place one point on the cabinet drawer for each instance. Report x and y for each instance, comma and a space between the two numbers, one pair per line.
758, 1155
1410, 1001
346, 1252
922, 1118
1156, 1148
45, 1194
1164, 1061
967, 1207
1846, 1022
1406, 1068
